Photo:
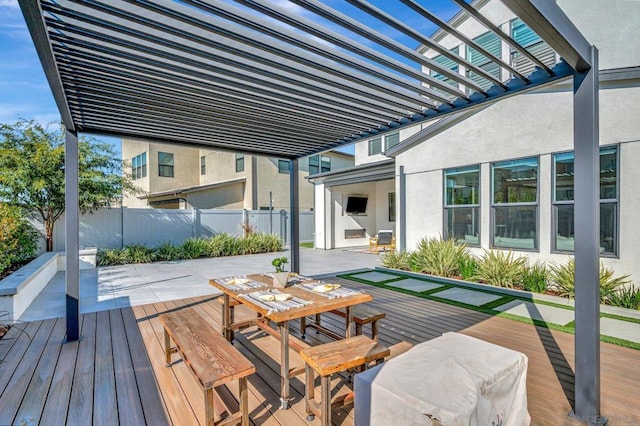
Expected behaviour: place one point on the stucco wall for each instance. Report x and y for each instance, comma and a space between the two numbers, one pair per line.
362, 147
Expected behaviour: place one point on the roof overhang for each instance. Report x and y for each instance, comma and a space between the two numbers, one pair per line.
190, 189
373, 172
260, 77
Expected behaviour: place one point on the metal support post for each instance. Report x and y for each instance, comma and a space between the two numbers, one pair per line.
270, 212
72, 237
402, 240
294, 184
587, 244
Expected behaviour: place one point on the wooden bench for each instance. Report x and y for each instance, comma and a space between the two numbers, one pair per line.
211, 358
335, 357
228, 334
362, 314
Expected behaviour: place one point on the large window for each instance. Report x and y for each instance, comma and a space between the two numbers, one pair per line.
375, 146
391, 140
283, 166
532, 42
462, 204
392, 206
319, 164
239, 163
139, 166
165, 164
515, 204
491, 43
446, 63
563, 201
203, 165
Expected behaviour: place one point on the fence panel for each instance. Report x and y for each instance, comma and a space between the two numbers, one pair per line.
216, 221
152, 227
102, 228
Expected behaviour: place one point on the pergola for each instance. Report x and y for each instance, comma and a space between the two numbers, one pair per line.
258, 77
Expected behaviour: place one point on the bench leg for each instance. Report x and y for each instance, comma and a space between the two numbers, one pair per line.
309, 393
167, 347
208, 407
374, 330
358, 329
303, 326
325, 404
317, 322
244, 401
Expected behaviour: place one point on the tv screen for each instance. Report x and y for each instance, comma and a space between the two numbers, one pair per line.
356, 205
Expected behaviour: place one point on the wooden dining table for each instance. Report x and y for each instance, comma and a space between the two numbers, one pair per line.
319, 304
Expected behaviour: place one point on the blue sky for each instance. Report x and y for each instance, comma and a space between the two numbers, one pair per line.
25, 93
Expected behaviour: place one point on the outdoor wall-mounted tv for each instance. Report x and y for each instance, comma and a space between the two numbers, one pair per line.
356, 205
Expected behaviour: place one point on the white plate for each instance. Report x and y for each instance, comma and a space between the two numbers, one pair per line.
326, 288
280, 297
237, 281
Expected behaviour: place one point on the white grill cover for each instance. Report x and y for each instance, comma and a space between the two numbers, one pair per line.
452, 380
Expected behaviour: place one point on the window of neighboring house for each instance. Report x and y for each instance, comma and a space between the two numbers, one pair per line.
283, 166
319, 164
462, 204
491, 43
391, 140
139, 166
532, 42
515, 204
375, 146
391, 196
203, 165
239, 163
563, 201
446, 63
165, 164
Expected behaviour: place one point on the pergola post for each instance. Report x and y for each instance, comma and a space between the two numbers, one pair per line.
294, 194
587, 244
72, 235
402, 202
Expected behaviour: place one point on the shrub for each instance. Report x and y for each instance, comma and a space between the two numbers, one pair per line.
167, 251
563, 278
107, 257
535, 278
626, 297
467, 267
436, 256
500, 268
395, 260
18, 238
138, 253
194, 248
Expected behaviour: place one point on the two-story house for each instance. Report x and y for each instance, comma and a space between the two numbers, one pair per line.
173, 176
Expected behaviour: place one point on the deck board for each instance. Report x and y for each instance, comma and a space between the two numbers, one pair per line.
117, 375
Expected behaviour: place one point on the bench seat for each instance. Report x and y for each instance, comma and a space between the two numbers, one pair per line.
210, 357
362, 314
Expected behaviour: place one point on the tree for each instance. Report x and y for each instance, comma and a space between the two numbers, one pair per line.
32, 172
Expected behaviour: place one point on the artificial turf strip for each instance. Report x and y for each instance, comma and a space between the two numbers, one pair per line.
619, 317
428, 295
499, 302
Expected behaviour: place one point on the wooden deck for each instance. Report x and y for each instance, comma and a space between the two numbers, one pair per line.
117, 375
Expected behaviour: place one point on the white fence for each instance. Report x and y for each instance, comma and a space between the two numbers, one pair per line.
118, 227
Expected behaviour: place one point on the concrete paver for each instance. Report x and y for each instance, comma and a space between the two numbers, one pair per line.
470, 297
376, 277
414, 285
620, 329
546, 313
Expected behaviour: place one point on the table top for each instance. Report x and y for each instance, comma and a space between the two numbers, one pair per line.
320, 303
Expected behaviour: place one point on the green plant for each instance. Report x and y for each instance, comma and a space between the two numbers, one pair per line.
467, 266
626, 297
18, 238
500, 268
167, 251
194, 248
535, 278
138, 253
563, 278
396, 260
436, 256
107, 257
279, 263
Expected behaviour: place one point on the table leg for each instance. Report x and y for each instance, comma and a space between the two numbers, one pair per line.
226, 319
349, 322
283, 329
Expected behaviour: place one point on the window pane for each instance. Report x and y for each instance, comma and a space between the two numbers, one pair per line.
283, 166
392, 140
446, 63
608, 174
326, 163
313, 170
375, 146
564, 176
203, 165
462, 224
515, 227
144, 170
564, 164
462, 185
522, 34
165, 158
565, 228
165, 171
515, 181
314, 160
392, 206
239, 162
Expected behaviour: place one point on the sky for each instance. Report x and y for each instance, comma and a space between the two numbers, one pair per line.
25, 93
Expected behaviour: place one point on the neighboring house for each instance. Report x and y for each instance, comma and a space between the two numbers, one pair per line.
508, 185
179, 177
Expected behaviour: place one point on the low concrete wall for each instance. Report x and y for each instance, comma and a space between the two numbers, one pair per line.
19, 289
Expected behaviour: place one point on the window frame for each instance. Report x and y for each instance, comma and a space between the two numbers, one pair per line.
280, 168
171, 166
614, 201
203, 165
138, 166
446, 206
316, 162
239, 163
370, 145
391, 206
493, 205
